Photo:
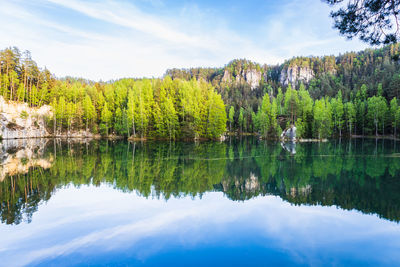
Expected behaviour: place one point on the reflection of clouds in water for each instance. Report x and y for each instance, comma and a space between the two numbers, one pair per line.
102, 218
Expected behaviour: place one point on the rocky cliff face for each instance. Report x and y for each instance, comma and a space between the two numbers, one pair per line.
17, 120
250, 76
294, 74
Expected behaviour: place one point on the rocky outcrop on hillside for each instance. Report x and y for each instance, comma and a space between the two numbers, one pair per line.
18, 120
251, 76
294, 74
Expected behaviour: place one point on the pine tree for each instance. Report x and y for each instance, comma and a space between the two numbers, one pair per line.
231, 117
106, 118
118, 121
350, 114
216, 122
89, 111
373, 111
241, 119
394, 113
131, 112
291, 103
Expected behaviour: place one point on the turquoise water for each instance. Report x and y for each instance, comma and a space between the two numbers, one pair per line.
234, 203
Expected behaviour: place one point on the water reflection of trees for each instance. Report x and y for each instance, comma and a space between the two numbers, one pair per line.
361, 174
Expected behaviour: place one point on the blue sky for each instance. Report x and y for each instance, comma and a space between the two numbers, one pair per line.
105, 39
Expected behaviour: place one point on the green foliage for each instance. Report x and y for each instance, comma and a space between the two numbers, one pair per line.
350, 114
105, 119
24, 115
372, 21
349, 94
322, 118
231, 117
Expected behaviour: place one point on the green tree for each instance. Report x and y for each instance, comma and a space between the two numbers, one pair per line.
373, 21
395, 115
119, 121
241, 119
306, 112
291, 103
264, 120
322, 118
350, 114
374, 111
131, 112
216, 122
231, 117
106, 119
89, 111
338, 112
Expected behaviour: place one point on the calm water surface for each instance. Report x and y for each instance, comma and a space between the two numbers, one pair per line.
235, 203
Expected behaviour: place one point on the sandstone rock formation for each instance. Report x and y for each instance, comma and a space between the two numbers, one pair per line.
251, 76
17, 120
294, 74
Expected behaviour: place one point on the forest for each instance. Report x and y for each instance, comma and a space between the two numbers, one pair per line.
162, 108
350, 94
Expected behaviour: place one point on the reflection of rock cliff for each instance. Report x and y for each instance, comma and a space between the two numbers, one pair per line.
17, 120
301, 191
18, 156
242, 188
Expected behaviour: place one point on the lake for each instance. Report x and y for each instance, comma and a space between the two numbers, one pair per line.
233, 203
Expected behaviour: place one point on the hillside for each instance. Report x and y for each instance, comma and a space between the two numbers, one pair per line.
242, 83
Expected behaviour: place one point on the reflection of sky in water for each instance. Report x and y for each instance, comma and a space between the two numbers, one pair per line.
102, 226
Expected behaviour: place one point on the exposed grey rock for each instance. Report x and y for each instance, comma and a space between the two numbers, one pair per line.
289, 133
250, 76
294, 74
227, 76
17, 120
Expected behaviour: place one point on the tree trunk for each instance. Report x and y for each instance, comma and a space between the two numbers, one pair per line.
133, 125
55, 124
11, 88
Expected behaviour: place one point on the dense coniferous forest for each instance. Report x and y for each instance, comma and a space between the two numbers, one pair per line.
162, 108
350, 94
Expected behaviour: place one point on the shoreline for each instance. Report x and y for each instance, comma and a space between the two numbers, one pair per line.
223, 138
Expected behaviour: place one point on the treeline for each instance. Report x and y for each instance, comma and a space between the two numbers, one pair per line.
322, 118
142, 108
358, 174
366, 80
163, 108
351, 94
